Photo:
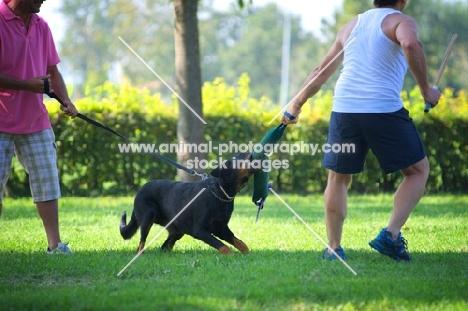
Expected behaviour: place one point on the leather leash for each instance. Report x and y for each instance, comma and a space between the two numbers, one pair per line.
99, 125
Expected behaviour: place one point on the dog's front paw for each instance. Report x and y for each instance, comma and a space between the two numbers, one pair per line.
241, 246
225, 250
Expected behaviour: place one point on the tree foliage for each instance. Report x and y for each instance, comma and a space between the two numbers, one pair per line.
92, 163
232, 42
245, 38
251, 41
95, 35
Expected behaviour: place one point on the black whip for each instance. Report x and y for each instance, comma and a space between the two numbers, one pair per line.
99, 125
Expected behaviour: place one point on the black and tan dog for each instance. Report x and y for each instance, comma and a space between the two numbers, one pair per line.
207, 217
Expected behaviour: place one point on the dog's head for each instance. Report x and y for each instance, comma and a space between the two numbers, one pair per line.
235, 172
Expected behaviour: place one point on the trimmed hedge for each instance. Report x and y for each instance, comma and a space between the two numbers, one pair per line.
91, 164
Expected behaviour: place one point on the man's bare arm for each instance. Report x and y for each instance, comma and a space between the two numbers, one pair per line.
406, 33
35, 85
60, 89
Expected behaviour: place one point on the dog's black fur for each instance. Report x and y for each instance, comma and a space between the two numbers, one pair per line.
207, 217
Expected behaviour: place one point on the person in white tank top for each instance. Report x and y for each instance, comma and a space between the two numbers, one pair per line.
376, 48
371, 83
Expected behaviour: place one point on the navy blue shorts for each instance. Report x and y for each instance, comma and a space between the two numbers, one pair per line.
392, 137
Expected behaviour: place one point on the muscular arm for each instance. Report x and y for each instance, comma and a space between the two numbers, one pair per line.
322, 72
406, 34
314, 81
319, 75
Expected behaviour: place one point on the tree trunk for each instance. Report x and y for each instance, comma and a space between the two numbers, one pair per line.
190, 124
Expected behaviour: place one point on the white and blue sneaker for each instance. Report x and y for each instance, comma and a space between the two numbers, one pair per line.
62, 248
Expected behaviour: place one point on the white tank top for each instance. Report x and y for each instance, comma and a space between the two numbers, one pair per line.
373, 68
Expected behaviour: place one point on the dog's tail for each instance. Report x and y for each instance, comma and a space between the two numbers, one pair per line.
127, 231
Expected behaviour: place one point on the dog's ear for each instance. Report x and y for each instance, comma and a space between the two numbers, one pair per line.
216, 172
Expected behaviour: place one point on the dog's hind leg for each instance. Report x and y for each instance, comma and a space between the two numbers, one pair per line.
174, 236
145, 228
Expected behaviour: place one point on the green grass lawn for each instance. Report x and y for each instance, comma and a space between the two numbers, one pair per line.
284, 270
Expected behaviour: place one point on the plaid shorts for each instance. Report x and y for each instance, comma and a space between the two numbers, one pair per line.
36, 153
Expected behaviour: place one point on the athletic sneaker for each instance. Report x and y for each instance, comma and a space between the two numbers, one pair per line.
396, 249
62, 248
332, 256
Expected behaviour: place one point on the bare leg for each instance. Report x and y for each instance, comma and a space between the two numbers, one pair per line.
336, 198
408, 195
48, 211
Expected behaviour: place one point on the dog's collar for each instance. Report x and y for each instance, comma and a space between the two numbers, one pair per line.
225, 193
229, 198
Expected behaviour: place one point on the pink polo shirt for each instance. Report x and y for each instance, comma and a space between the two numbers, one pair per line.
24, 54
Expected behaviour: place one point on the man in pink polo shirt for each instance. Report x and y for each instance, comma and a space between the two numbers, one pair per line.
27, 58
